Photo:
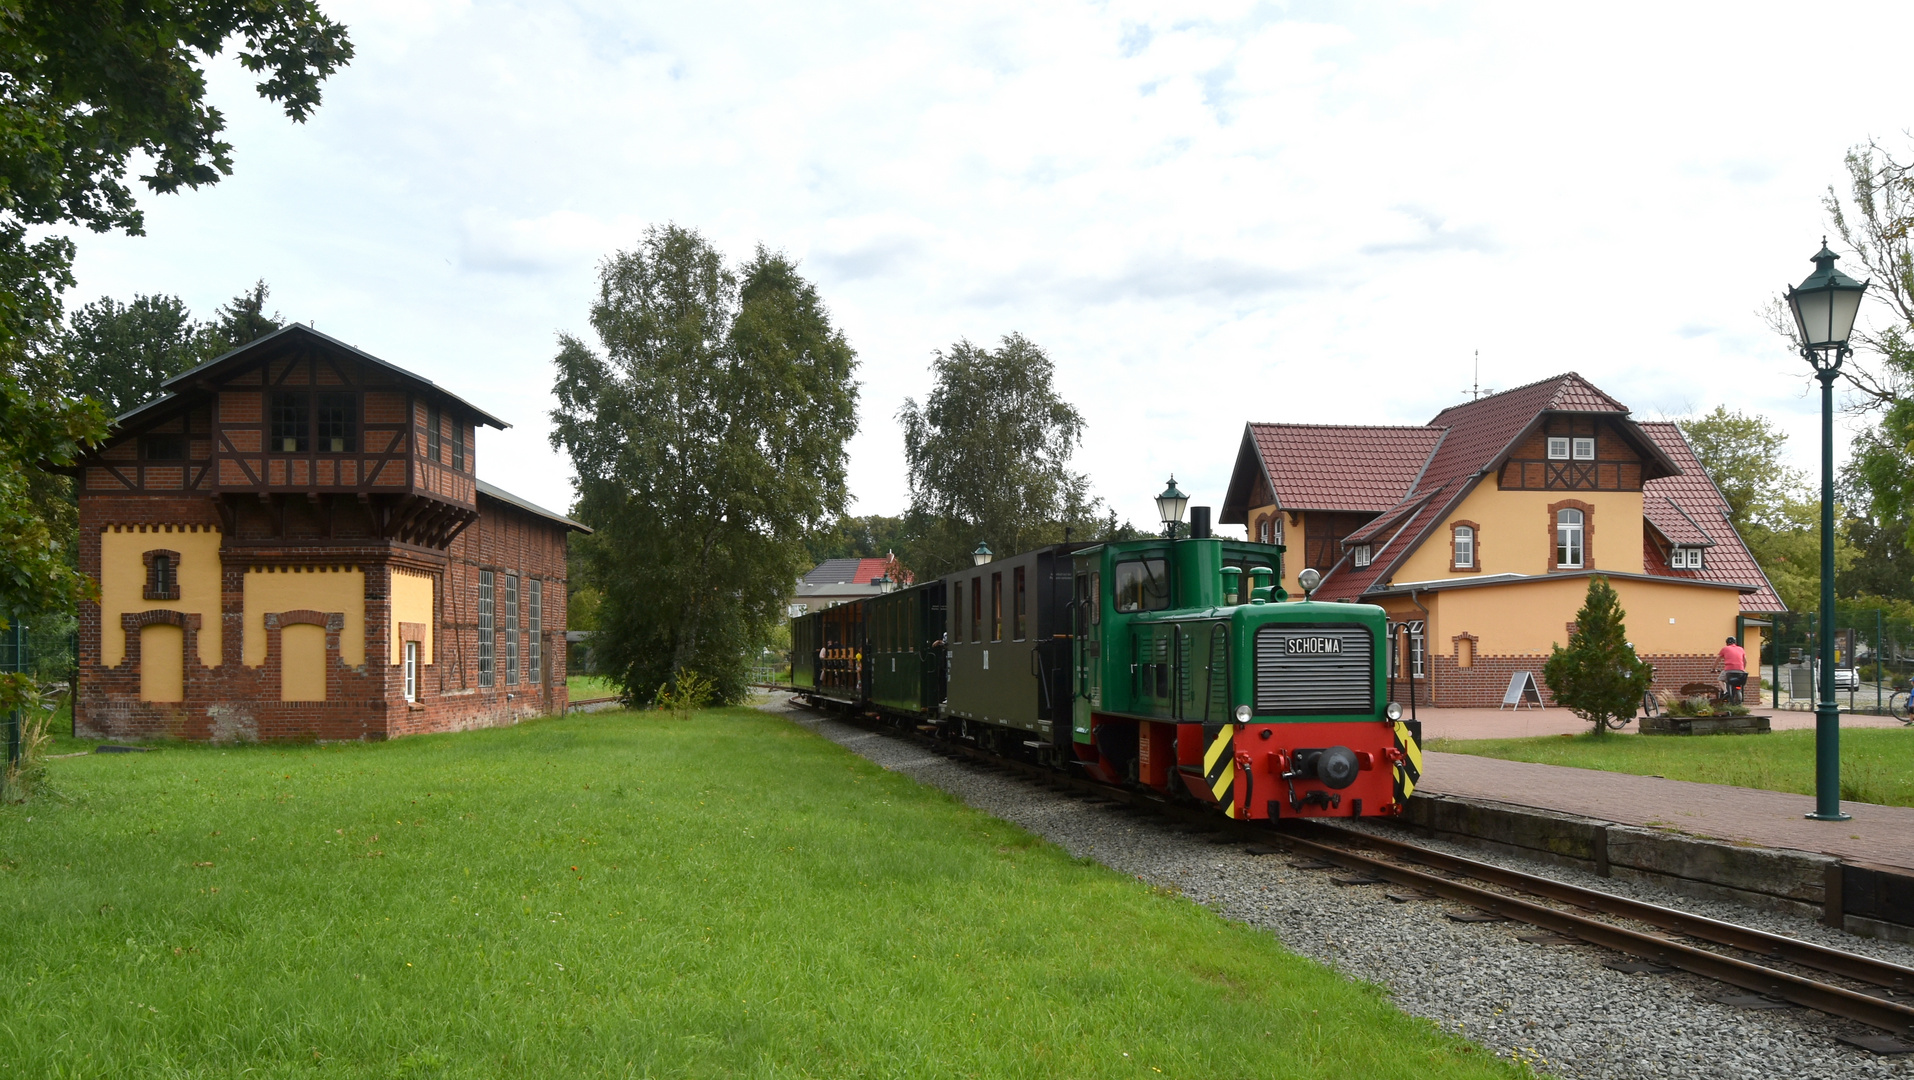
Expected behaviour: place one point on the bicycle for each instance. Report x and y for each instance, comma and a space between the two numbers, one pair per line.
1898, 707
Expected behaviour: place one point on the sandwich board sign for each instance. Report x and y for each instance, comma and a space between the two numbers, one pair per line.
1522, 691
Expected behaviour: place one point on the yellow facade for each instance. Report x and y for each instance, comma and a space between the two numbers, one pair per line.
327, 589
1513, 534
1526, 618
302, 663
123, 584
412, 602
162, 663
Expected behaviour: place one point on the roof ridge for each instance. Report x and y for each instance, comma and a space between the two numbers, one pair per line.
1505, 393
1364, 427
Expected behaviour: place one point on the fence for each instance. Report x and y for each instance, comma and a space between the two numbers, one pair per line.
1873, 656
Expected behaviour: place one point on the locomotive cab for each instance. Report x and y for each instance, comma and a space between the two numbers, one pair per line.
1194, 675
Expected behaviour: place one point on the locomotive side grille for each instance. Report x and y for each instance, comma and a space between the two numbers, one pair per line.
1310, 670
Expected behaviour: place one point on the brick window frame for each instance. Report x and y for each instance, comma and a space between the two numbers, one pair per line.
1475, 563
1588, 533
1465, 657
162, 579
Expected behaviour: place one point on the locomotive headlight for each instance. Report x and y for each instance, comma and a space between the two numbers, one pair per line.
1242, 714
1309, 579
1393, 710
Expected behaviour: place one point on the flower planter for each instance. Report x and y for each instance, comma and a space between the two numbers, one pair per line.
1704, 725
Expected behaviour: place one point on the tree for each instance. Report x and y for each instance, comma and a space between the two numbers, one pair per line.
118, 354
241, 320
709, 443
868, 536
1743, 455
90, 84
1598, 677
988, 455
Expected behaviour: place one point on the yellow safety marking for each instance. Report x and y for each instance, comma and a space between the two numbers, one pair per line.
1222, 745
1408, 771
1409, 746
1223, 781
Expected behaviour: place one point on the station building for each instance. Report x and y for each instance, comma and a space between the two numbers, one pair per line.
292, 541
1479, 530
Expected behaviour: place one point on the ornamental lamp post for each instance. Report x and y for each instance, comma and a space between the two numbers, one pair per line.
1170, 506
1824, 309
982, 555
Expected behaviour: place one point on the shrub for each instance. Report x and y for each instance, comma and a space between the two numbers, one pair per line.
18, 782
685, 694
1598, 677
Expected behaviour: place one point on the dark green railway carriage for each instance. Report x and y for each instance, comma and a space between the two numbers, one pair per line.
905, 631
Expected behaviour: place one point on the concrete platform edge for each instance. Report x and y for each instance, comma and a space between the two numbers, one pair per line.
1865, 900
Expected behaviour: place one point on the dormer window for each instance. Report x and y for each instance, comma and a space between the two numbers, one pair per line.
1558, 448
1685, 558
1362, 555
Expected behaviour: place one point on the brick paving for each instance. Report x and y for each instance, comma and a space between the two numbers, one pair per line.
1882, 835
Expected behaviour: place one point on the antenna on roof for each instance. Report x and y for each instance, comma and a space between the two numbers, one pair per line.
1476, 392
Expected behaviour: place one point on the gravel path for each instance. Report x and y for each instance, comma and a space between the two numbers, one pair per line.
1553, 1006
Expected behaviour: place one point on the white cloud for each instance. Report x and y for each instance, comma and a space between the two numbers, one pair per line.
1206, 214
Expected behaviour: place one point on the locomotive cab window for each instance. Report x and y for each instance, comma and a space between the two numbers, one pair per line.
1142, 585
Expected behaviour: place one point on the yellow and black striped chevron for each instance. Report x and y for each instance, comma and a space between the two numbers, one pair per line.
1409, 769
1219, 764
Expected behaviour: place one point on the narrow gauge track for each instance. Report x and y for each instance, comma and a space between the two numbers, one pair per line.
1431, 876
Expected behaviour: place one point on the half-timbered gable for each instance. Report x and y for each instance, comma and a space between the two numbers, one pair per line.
288, 541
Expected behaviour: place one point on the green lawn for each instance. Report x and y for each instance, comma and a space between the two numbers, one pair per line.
1877, 764
589, 686
621, 895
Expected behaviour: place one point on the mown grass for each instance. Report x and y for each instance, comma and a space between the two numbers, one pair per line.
589, 686
621, 895
1877, 764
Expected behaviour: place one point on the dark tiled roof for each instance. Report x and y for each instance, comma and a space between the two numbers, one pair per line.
851, 571
1691, 501
499, 493
1342, 466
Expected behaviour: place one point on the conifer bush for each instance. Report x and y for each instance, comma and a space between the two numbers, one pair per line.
1598, 677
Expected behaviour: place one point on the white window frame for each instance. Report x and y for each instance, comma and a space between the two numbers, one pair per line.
1584, 447
1417, 651
1361, 555
412, 671
1558, 448
1564, 531
1462, 544
1276, 528
1687, 558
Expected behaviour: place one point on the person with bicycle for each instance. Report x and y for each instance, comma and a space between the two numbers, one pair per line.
1733, 669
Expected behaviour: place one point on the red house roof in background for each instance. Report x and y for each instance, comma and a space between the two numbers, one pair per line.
1691, 501
1413, 478
857, 572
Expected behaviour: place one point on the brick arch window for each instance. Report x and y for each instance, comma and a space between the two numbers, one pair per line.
162, 575
1571, 527
1465, 546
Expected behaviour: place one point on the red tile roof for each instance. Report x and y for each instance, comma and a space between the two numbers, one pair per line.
1691, 501
1342, 466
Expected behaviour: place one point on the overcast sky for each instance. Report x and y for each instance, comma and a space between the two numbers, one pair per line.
1206, 214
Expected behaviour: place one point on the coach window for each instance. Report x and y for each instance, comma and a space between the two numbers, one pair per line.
957, 612
976, 609
1019, 610
1142, 585
997, 606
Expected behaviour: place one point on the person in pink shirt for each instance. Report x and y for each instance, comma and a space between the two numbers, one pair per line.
1734, 667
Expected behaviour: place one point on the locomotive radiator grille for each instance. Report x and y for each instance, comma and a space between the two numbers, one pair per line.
1315, 670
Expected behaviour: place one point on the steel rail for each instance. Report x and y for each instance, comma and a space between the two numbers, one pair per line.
1822, 997
1770, 946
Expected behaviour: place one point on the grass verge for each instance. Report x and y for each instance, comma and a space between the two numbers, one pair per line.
1877, 764
589, 686
621, 895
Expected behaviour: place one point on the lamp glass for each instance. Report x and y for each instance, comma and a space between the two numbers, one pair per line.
1171, 504
981, 555
1825, 304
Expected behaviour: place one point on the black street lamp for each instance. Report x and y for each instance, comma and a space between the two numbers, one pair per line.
1170, 506
1824, 309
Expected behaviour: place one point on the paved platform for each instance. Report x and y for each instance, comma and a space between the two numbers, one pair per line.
1509, 724
1878, 835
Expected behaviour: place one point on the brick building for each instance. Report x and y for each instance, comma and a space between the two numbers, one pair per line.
292, 542
1477, 532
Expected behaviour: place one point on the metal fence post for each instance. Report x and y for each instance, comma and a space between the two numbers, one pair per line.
16, 661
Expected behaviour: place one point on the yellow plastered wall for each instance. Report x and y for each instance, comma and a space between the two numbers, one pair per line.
317, 589
412, 602
1514, 534
162, 663
123, 583
1527, 618
302, 663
